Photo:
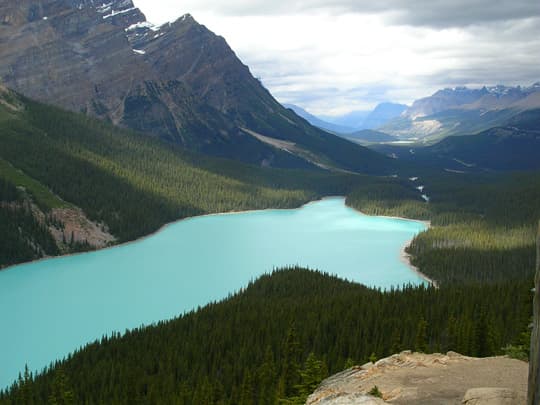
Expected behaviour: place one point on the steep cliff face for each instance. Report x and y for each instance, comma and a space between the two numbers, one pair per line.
178, 81
68, 54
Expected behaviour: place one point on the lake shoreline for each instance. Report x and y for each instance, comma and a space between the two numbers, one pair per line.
157, 231
404, 257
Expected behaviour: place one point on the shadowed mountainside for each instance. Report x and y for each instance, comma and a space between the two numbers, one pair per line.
178, 81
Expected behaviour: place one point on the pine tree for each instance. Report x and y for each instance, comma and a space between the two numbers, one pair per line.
61, 393
290, 372
267, 379
312, 374
246, 393
421, 342
452, 334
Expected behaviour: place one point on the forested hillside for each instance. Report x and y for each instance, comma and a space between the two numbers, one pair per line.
508, 148
127, 182
483, 226
21, 234
277, 339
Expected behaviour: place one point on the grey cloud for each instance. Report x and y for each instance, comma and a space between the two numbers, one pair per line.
432, 13
460, 13
491, 42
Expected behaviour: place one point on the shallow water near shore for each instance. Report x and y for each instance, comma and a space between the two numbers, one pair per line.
50, 308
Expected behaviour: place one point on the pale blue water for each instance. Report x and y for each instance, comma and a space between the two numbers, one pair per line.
52, 307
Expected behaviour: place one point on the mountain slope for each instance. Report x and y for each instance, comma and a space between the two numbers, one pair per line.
499, 148
69, 182
495, 149
179, 82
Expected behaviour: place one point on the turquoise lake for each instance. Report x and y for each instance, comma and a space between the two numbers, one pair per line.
52, 307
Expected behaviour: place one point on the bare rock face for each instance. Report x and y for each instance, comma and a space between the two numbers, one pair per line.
427, 379
67, 53
348, 399
491, 396
462, 98
77, 227
178, 81
336, 390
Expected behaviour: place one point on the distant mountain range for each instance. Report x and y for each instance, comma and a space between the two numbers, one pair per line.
178, 81
456, 111
318, 122
515, 146
383, 113
376, 118
354, 121
182, 83
461, 110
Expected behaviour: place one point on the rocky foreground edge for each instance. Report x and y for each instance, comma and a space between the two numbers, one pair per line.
428, 379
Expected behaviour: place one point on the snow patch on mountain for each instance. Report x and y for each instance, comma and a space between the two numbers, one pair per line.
143, 25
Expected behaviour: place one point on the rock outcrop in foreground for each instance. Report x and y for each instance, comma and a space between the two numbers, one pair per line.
428, 379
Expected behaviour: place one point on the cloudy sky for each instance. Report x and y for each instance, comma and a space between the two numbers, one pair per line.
335, 56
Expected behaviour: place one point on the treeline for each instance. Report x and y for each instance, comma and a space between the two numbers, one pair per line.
277, 339
483, 225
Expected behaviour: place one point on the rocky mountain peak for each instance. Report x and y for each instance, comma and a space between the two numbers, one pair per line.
117, 12
142, 33
483, 99
178, 81
121, 13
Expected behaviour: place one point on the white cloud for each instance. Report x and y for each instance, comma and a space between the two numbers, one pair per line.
331, 58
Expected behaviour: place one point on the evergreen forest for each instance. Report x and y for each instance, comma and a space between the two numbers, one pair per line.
275, 340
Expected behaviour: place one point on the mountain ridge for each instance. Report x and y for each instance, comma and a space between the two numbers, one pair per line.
462, 111
178, 81
486, 98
